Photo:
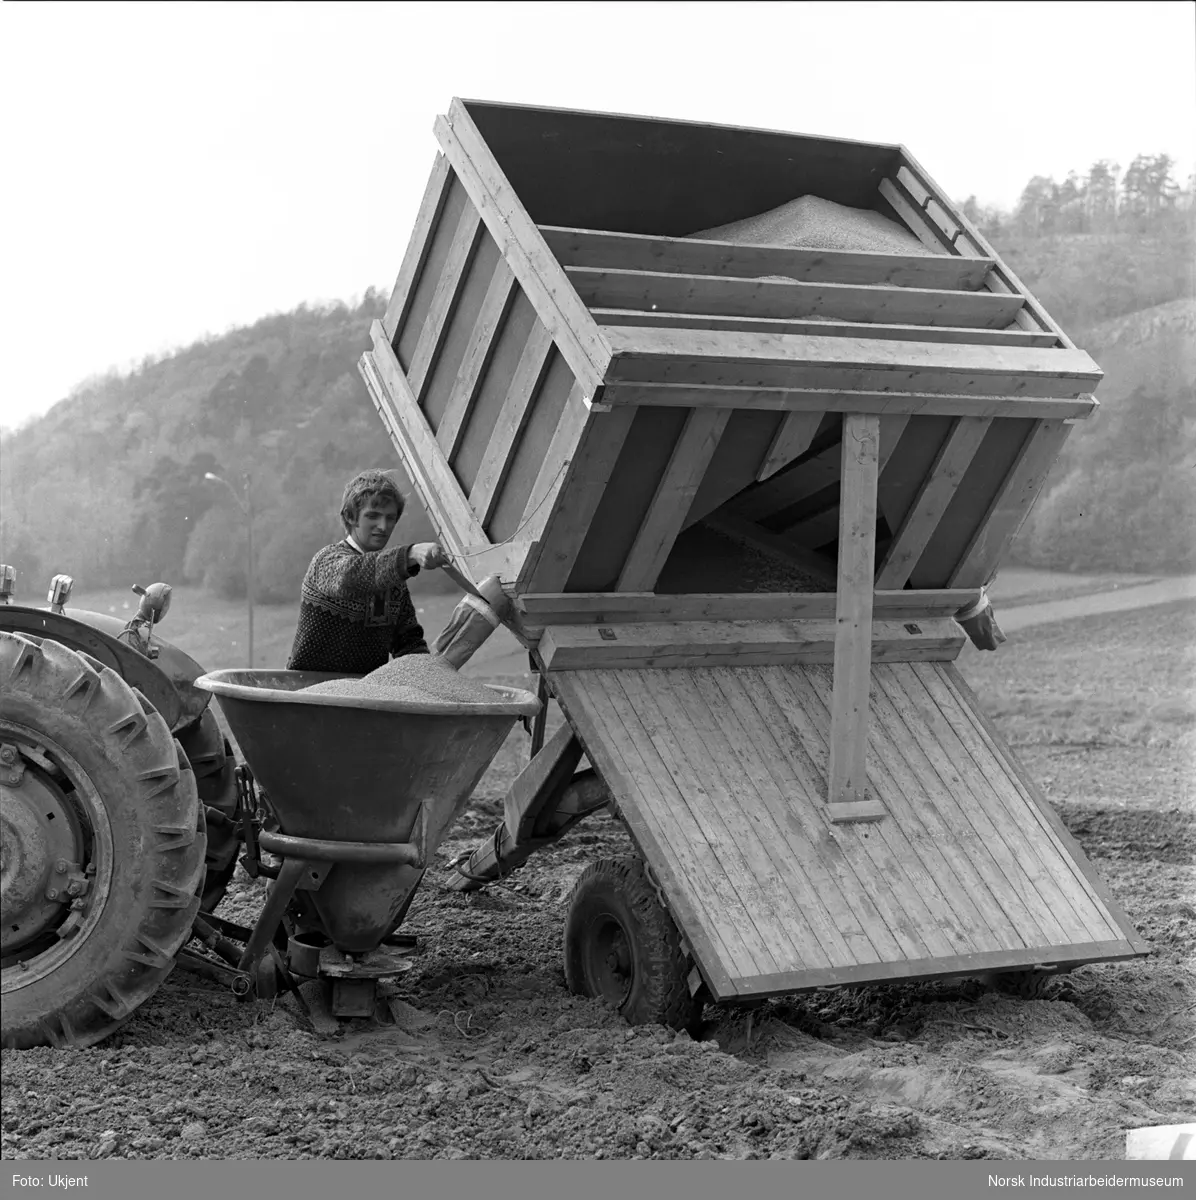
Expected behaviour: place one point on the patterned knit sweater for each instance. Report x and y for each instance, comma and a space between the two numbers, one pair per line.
355, 611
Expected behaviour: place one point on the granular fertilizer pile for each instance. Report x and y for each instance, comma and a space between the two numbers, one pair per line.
416, 678
819, 224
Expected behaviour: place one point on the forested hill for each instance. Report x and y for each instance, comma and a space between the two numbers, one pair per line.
109, 485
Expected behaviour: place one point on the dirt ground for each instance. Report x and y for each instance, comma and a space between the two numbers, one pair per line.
491, 1057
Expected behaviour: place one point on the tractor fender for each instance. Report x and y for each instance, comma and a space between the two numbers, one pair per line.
165, 681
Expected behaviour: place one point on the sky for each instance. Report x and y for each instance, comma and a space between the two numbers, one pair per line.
174, 170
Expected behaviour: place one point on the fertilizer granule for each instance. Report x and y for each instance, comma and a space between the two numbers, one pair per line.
416, 678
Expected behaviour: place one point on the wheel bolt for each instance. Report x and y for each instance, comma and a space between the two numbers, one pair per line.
51, 893
75, 889
8, 755
60, 866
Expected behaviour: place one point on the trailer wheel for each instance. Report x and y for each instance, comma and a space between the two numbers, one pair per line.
622, 946
212, 761
103, 846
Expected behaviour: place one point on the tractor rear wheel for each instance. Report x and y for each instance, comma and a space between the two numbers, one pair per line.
103, 846
622, 946
212, 761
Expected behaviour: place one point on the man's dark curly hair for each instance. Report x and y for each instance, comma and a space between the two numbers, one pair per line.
368, 485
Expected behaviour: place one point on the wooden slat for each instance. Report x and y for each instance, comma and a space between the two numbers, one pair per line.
674, 494
417, 248
688, 833
648, 815
937, 210
416, 445
464, 390
800, 482
733, 526
692, 357
826, 327
573, 330
926, 231
847, 773
971, 705
715, 807
557, 459
660, 644
1012, 888
905, 894
740, 452
1011, 506
792, 440
931, 502
819, 399
603, 608
444, 299
516, 406
581, 491
785, 299
537, 785
694, 256
1068, 888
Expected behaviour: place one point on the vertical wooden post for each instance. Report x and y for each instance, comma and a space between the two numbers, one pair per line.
848, 777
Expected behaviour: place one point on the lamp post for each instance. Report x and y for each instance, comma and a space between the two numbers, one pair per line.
246, 507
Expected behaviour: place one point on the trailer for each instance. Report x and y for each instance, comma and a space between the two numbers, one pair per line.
743, 501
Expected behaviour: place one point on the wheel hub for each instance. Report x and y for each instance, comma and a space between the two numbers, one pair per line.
40, 850
612, 966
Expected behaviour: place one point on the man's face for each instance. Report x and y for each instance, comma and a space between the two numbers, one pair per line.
376, 522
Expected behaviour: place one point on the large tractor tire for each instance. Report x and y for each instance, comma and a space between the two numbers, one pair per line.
622, 946
103, 846
212, 761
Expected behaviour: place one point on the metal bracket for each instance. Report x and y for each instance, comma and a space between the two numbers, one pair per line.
12, 766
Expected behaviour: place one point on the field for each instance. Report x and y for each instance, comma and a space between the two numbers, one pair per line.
492, 1058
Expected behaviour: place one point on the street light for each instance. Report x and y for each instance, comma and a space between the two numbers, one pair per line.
246, 507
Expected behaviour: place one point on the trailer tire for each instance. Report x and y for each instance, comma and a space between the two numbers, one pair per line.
100, 805
214, 766
622, 946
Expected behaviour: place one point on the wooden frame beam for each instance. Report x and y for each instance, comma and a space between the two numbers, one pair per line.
930, 504
847, 792
674, 494
792, 439
665, 645
733, 526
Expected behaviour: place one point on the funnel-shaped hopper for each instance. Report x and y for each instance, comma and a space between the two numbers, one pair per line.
353, 769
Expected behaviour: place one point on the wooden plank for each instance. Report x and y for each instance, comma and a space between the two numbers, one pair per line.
539, 783
904, 894
1065, 889
792, 440
818, 399
694, 822
646, 812
613, 608
740, 452
516, 407
430, 207
695, 256
719, 357
580, 493
803, 480
670, 503
788, 299
663, 706
573, 330
927, 232
660, 644
924, 846
1015, 889
848, 773
786, 825
1011, 505
505, 559
937, 210
940, 485
416, 445
827, 327
1045, 892
972, 706
444, 299
495, 306
557, 459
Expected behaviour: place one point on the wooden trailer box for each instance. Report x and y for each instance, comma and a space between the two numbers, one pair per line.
741, 497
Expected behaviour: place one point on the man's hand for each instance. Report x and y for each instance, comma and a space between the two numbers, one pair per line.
427, 555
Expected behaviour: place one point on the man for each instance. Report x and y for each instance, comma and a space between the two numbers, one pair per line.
355, 611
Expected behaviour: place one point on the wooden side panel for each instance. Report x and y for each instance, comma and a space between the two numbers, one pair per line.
917, 449
736, 462
418, 246
633, 482
721, 774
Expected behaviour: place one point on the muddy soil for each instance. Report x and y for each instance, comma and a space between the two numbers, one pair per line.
489, 1056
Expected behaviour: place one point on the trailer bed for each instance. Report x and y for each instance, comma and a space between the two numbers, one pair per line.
721, 775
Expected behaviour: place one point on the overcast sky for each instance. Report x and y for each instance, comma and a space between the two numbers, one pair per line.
173, 170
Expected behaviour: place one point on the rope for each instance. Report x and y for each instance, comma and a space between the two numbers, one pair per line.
523, 525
